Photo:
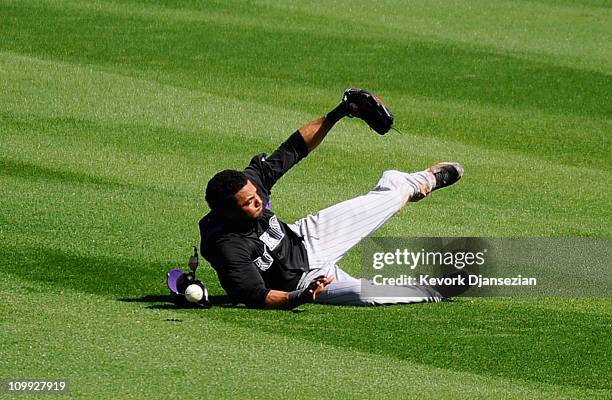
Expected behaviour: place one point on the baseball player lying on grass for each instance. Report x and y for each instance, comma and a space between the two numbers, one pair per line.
265, 263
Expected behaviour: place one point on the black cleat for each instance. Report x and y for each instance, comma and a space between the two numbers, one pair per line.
446, 173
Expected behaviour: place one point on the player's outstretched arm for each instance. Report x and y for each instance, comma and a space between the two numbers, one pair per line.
314, 132
268, 170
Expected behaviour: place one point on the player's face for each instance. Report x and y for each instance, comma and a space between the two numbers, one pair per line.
249, 202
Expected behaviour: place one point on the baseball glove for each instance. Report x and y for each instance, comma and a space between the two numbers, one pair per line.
364, 105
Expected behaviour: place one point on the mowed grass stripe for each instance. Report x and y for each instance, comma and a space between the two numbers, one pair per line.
58, 89
112, 98
199, 359
531, 29
481, 24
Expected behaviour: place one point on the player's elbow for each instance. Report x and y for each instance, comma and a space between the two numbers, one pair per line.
252, 298
276, 299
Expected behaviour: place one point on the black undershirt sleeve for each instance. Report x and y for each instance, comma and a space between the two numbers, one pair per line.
266, 171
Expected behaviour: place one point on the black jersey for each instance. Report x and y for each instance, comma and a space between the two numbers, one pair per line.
265, 254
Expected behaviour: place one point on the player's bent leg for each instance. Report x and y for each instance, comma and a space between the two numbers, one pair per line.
332, 232
356, 293
346, 290
374, 294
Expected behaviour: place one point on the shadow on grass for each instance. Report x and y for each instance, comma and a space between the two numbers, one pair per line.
164, 302
26, 170
125, 279
106, 276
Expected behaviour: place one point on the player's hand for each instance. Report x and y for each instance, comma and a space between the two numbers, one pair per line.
318, 284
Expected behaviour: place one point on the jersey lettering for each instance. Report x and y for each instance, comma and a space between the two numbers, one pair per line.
265, 261
273, 235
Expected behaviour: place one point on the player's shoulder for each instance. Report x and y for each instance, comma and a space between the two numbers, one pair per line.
256, 172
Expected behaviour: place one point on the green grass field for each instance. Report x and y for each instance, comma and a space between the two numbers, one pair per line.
114, 114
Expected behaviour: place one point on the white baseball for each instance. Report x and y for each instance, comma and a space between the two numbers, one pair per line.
194, 293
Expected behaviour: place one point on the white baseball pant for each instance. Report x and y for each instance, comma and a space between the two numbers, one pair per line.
332, 232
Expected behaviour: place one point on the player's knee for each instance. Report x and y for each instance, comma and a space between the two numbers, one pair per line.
391, 179
395, 186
